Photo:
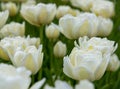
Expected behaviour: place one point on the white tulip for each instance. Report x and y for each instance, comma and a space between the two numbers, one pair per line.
60, 49
85, 64
75, 27
114, 63
39, 14
83, 4
29, 2
85, 84
12, 44
30, 57
92, 21
3, 17
103, 8
105, 26
63, 10
11, 7
101, 44
14, 78
59, 85
13, 29
52, 31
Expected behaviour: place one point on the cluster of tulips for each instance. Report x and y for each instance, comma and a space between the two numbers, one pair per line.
92, 55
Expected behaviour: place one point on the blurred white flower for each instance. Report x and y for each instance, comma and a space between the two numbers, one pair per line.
13, 29
29, 3
63, 10
30, 57
114, 63
103, 8
14, 78
85, 64
3, 17
52, 31
12, 44
59, 85
101, 44
84, 84
105, 26
11, 7
60, 49
82, 25
82, 4
39, 14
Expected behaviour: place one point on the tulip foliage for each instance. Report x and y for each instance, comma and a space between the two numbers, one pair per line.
59, 44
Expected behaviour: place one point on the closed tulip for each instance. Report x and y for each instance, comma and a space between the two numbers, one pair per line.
39, 14
105, 26
11, 7
60, 49
63, 10
13, 29
30, 57
103, 8
114, 63
3, 17
14, 78
52, 31
85, 64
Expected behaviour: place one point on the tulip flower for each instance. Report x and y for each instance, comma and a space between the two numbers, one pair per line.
84, 84
103, 8
63, 10
105, 26
85, 5
85, 64
114, 63
14, 78
17, 78
39, 14
13, 29
59, 85
52, 31
30, 57
11, 7
60, 49
102, 44
12, 44
3, 17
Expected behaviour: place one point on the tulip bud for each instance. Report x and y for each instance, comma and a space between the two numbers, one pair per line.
60, 49
11, 7
3, 18
52, 31
114, 63
103, 8
13, 29
14, 78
